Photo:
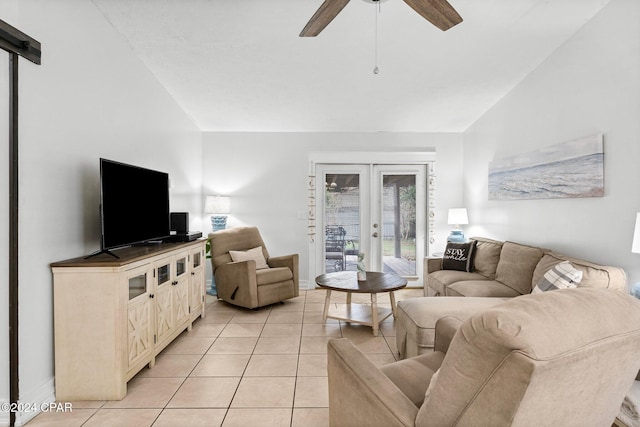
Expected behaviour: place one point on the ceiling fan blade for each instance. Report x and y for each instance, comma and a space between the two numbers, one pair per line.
323, 16
439, 12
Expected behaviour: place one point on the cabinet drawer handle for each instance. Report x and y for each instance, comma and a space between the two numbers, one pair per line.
151, 295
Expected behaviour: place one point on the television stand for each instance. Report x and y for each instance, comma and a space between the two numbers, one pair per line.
103, 251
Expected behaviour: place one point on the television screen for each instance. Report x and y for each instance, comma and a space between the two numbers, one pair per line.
134, 204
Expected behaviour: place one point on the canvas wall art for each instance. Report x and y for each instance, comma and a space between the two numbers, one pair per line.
570, 169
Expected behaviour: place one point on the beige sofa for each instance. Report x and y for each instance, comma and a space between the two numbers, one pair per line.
545, 359
502, 270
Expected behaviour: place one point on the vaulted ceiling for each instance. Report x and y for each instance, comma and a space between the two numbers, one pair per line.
239, 65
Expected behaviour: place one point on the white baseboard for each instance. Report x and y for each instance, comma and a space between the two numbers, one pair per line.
35, 400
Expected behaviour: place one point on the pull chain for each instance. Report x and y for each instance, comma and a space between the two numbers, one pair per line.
376, 70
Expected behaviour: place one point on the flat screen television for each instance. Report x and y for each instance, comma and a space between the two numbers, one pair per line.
134, 205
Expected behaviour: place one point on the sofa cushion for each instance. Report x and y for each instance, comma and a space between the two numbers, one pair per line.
267, 276
560, 276
439, 280
458, 256
252, 254
516, 266
413, 376
593, 275
486, 257
480, 288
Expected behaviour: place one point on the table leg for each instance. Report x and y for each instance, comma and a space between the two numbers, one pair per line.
393, 303
374, 314
327, 302
349, 298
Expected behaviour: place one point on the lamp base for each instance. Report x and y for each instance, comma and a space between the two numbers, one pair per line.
218, 222
456, 236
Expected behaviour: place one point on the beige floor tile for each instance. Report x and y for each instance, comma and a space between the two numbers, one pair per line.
316, 317
272, 365
271, 417
310, 417
147, 393
289, 305
277, 345
264, 392
221, 365
187, 345
251, 316
388, 328
311, 392
392, 344
314, 345
233, 345
205, 330
205, 392
312, 307
242, 330
372, 345
171, 366
87, 404
312, 365
281, 330
287, 317
190, 418
61, 419
320, 330
213, 316
123, 418
316, 296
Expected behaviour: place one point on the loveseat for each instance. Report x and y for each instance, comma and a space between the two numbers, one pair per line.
497, 271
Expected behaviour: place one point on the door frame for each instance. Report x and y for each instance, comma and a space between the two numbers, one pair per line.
367, 158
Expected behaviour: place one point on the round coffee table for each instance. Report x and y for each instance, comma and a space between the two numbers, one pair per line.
346, 281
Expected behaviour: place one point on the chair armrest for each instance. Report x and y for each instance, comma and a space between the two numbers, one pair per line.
446, 328
290, 261
236, 281
432, 264
360, 394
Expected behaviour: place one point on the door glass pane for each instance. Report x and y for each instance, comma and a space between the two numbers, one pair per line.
399, 224
164, 272
137, 285
342, 221
181, 266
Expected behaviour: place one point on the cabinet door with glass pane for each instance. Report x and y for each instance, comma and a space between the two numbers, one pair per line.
196, 284
140, 316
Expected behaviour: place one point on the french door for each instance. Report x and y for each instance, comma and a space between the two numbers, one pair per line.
376, 210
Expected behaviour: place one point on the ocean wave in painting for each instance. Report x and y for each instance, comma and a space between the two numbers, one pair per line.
576, 177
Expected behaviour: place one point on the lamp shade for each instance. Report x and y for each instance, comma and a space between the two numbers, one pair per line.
217, 205
458, 216
635, 246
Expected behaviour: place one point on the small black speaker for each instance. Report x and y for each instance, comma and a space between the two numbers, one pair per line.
180, 222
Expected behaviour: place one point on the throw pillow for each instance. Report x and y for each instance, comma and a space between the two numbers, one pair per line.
252, 254
458, 256
561, 276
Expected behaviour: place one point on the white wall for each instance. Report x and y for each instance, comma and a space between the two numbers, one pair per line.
91, 98
266, 175
591, 84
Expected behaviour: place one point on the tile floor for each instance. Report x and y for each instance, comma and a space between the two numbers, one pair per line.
238, 367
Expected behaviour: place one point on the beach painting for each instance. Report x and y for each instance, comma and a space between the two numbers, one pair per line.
570, 169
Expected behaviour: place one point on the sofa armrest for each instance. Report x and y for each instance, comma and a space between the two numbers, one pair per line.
446, 328
360, 394
291, 262
236, 281
432, 264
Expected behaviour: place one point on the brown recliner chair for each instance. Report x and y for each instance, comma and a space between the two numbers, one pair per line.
240, 283
561, 358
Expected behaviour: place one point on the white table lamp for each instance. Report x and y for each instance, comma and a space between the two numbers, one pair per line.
219, 206
635, 246
457, 217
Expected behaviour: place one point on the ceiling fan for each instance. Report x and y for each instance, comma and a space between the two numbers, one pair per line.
439, 12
